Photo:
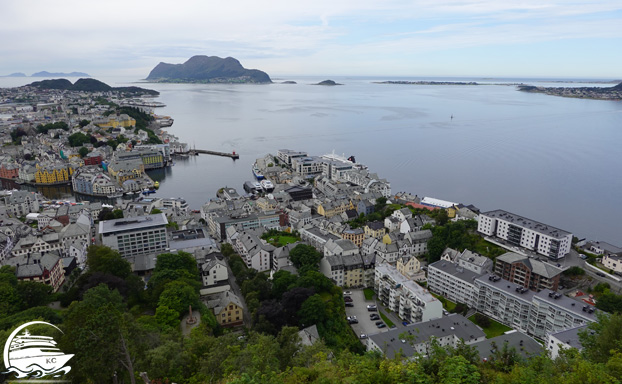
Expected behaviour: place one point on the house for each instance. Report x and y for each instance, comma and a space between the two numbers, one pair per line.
214, 275
46, 268
374, 229
613, 262
227, 309
356, 235
410, 267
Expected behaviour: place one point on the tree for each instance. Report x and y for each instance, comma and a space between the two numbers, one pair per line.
178, 296
84, 123
281, 281
441, 217
83, 151
305, 258
312, 311
77, 139
10, 301
166, 317
103, 259
610, 302
33, 294
602, 338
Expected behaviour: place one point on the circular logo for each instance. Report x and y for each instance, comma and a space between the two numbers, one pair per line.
26, 354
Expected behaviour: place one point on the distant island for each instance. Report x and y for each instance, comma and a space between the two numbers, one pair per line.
327, 82
88, 85
596, 93
49, 74
427, 82
289, 82
207, 69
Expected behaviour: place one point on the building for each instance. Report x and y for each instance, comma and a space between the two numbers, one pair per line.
142, 235
355, 235
374, 229
93, 158
454, 282
21, 203
553, 312
524, 345
566, 339
46, 268
613, 262
227, 308
407, 299
215, 276
527, 272
544, 239
416, 339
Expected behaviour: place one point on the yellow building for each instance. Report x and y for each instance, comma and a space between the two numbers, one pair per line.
126, 170
122, 120
227, 308
375, 229
356, 236
53, 174
408, 265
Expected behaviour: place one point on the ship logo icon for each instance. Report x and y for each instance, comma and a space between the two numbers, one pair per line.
29, 355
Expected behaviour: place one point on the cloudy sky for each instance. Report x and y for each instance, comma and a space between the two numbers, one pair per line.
496, 38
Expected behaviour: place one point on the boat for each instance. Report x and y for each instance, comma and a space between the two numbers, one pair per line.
156, 184
252, 187
267, 185
257, 173
147, 191
28, 351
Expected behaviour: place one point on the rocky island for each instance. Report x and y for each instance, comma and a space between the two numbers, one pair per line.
327, 82
207, 69
597, 93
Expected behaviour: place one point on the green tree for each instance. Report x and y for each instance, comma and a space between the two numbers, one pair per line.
78, 139
457, 370
83, 151
103, 259
84, 123
10, 301
33, 294
312, 311
305, 258
166, 317
602, 338
178, 296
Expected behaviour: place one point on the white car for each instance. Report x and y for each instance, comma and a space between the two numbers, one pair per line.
363, 336
347, 293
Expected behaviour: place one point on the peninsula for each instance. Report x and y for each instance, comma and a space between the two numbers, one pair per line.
597, 93
89, 85
207, 69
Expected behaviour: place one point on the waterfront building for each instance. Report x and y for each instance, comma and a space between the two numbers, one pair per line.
9, 170
134, 236
613, 262
151, 158
544, 239
52, 174
114, 121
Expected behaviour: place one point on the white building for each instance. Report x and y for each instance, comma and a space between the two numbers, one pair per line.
566, 339
454, 282
142, 235
408, 299
526, 233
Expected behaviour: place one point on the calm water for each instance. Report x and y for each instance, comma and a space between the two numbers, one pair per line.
551, 159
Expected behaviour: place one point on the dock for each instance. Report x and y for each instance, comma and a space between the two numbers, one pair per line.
194, 152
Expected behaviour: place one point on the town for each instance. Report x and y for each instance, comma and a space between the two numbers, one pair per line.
402, 272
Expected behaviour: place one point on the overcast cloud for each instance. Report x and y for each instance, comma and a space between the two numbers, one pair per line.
402, 38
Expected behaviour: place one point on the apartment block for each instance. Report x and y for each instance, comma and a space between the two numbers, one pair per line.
134, 236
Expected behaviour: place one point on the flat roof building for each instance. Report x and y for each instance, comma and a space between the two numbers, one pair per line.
135, 236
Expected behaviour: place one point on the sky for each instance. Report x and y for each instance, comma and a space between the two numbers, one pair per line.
453, 38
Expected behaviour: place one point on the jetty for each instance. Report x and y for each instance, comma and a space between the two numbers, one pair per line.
195, 152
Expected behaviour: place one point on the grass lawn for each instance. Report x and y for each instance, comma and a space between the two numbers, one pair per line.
384, 318
495, 328
488, 249
369, 293
447, 305
282, 241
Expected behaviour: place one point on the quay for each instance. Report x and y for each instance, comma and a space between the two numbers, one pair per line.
194, 152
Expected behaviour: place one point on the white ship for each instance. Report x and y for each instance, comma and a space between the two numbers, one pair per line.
267, 185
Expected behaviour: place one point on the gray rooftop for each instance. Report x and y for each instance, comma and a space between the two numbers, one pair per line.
506, 287
524, 345
527, 223
570, 336
567, 304
132, 223
395, 340
455, 270
536, 266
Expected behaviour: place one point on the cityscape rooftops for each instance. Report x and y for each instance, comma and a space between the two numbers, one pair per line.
132, 223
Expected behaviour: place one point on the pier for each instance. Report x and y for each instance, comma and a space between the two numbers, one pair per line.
233, 155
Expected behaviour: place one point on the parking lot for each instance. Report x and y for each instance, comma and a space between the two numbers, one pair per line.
365, 325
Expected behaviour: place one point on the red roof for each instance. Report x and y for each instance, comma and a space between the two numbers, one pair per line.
415, 205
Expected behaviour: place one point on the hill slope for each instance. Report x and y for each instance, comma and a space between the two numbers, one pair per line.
88, 85
207, 69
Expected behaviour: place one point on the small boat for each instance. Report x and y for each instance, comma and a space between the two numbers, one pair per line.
257, 173
148, 191
267, 185
156, 184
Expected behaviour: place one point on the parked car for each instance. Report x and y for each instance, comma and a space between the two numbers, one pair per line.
379, 322
347, 299
383, 325
600, 274
352, 319
583, 256
405, 323
363, 336
372, 308
347, 293
374, 316
349, 304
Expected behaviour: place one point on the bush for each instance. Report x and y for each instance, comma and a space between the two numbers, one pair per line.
574, 271
482, 320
